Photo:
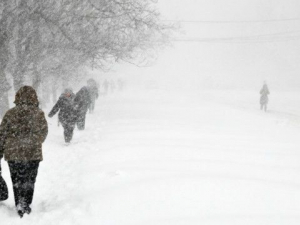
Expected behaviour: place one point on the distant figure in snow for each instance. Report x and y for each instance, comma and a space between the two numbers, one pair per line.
22, 132
264, 92
105, 86
82, 103
67, 114
120, 83
94, 94
112, 86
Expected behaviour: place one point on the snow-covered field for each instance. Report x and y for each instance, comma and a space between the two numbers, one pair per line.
160, 158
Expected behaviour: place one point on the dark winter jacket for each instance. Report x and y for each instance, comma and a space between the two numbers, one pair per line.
93, 91
82, 101
23, 128
65, 106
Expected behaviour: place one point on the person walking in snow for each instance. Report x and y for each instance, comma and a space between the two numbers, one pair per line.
120, 83
82, 103
67, 115
105, 86
264, 92
112, 86
22, 131
94, 93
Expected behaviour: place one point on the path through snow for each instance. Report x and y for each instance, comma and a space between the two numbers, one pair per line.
158, 159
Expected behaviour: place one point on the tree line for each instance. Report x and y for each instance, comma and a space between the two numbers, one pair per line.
47, 41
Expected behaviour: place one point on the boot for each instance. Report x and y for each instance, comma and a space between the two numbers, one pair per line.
20, 210
27, 209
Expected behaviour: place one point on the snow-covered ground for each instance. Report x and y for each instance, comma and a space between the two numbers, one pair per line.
160, 158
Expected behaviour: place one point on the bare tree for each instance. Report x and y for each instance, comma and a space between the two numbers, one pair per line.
50, 38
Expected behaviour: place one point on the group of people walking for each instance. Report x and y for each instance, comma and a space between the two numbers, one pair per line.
74, 107
24, 128
109, 86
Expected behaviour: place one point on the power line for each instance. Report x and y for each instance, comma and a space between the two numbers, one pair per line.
261, 38
234, 41
234, 21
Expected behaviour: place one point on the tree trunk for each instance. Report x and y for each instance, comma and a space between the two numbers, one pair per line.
18, 79
4, 56
20, 69
4, 88
54, 93
36, 84
4, 104
36, 80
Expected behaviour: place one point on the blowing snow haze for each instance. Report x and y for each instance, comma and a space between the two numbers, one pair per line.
191, 139
229, 44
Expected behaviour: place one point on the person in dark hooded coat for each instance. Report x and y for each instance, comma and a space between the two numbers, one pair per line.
82, 103
22, 131
67, 115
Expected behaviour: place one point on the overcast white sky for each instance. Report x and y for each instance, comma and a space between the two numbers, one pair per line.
263, 44
229, 9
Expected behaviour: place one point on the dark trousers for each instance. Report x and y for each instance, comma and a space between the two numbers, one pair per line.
263, 107
81, 121
23, 176
92, 106
68, 131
